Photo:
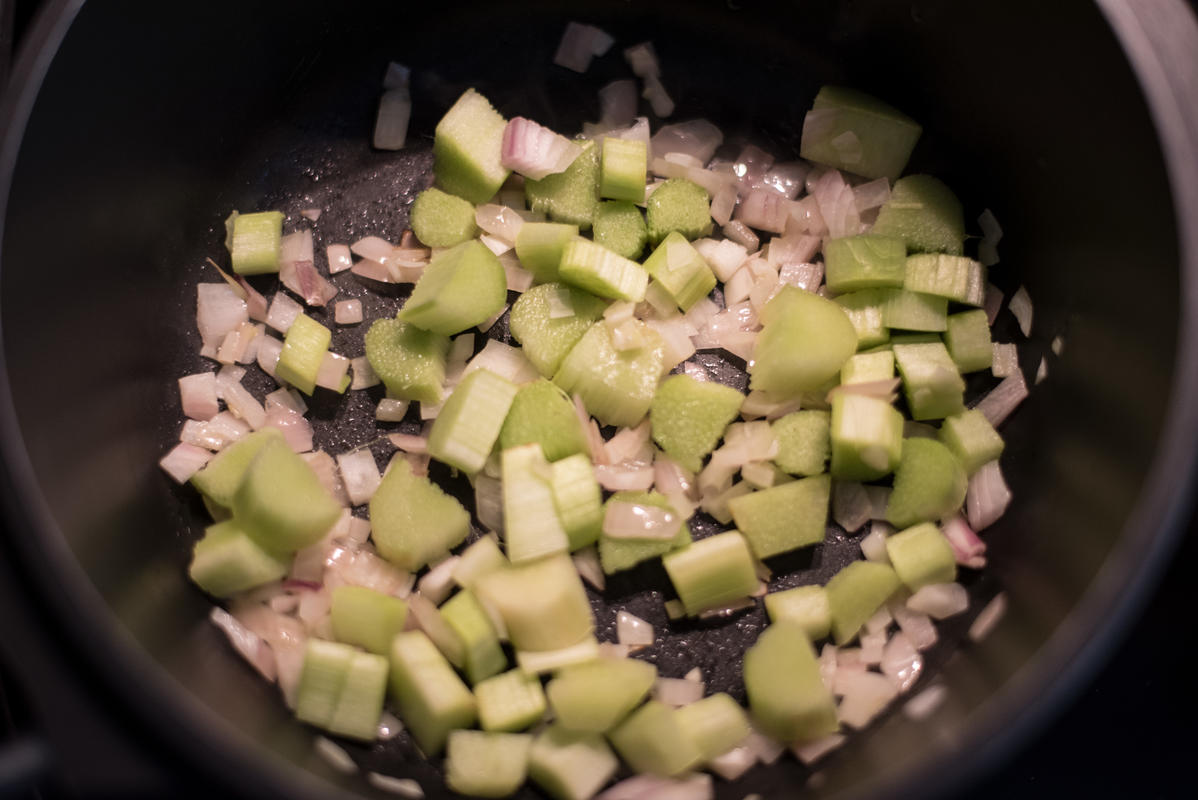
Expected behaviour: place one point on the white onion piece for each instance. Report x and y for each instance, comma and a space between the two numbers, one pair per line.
282, 312
786, 179
617, 103
595, 443
373, 248
732, 765
850, 505
518, 278
922, 705
989, 617
674, 165
624, 520
391, 409
759, 474
998, 404
737, 288
764, 210
805, 276
534, 151
297, 430
872, 645
334, 755
1042, 370
376, 271
254, 301
505, 361
765, 748
883, 390
240, 402
866, 694
625, 478
438, 583
728, 610
724, 257
638, 131
499, 221
359, 474
917, 626
751, 165
901, 662
968, 549
659, 99
333, 369
873, 545
348, 312
326, 472
579, 44
987, 498
810, 752
409, 443
632, 630
389, 726
297, 270
762, 404
828, 663
215, 434
236, 344
586, 561
360, 566
404, 787
198, 395
339, 258
651, 787
391, 122
247, 643
697, 138
362, 374
848, 659
1005, 361
879, 498
184, 460
873, 194
740, 233
286, 637
219, 310
793, 248
674, 335
613, 650
939, 600
628, 443
723, 203
837, 206
1021, 307
677, 692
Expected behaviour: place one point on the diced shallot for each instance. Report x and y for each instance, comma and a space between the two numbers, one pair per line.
764, 210
282, 312
586, 561
579, 44
617, 103
901, 662
866, 694
632, 630
297, 270
625, 520
850, 505
917, 626
359, 474
739, 232
695, 786
184, 460
987, 498
1021, 307
939, 600
677, 692
810, 752
534, 151
219, 310
391, 123
989, 617
968, 549
438, 583
733, 764
198, 395
403, 787
1004, 398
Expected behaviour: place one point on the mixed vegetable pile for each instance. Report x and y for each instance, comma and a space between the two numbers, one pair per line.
843, 287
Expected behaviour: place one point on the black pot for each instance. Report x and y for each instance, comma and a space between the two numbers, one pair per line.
133, 127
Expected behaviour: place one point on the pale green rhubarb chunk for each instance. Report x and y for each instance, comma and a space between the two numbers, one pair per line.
478, 559
653, 741
513, 701
460, 288
593, 697
304, 348
367, 618
804, 443
680, 270
968, 340
716, 724
616, 386
786, 695
929, 484
805, 606
620, 227
219, 479
442, 220
617, 554
281, 503
542, 603
865, 310
785, 517
971, 438
254, 241
623, 168
531, 526
867, 437
482, 656
864, 261
542, 414
688, 417
593, 268
341, 689
712, 572
569, 765
578, 499
409, 361
912, 311
855, 594
431, 698
412, 520
678, 205
921, 555
466, 430
853, 131
539, 246
954, 277
572, 196
804, 341
925, 214
548, 320
868, 367
933, 387
467, 148
227, 561
482, 764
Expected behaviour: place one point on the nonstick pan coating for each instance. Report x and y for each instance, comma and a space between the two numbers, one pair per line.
153, 125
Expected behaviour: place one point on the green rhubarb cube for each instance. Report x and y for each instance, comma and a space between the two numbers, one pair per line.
681, 271
578, 499
254, 241
531, 525
716, 724
548, 320
921, 555
805, 606
460, 288
912, 311
367, 618
227, 561
431, 698
804, 442
539, 246
219, 479
933, 386
465, 431
953, 277
678, 205
618, 554
560, 617
925, 214
541, 413
512, 701
850, 130
442, 220
653, 741
622, 173
482, 764
482, 656
593, 697
593, 268
865, 310
281, 503
616, 386
968, 340
620, 227
864, 261
971, 438
786, 695
689, 417
868, 367
409, 361
467, 149
569, 765
929, 484
712, 572
784, 518
804, 341
855, 594
412, 520
572, 196
867, 437
304, 349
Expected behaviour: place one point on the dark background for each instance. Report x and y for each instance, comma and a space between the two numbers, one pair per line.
1129, 734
